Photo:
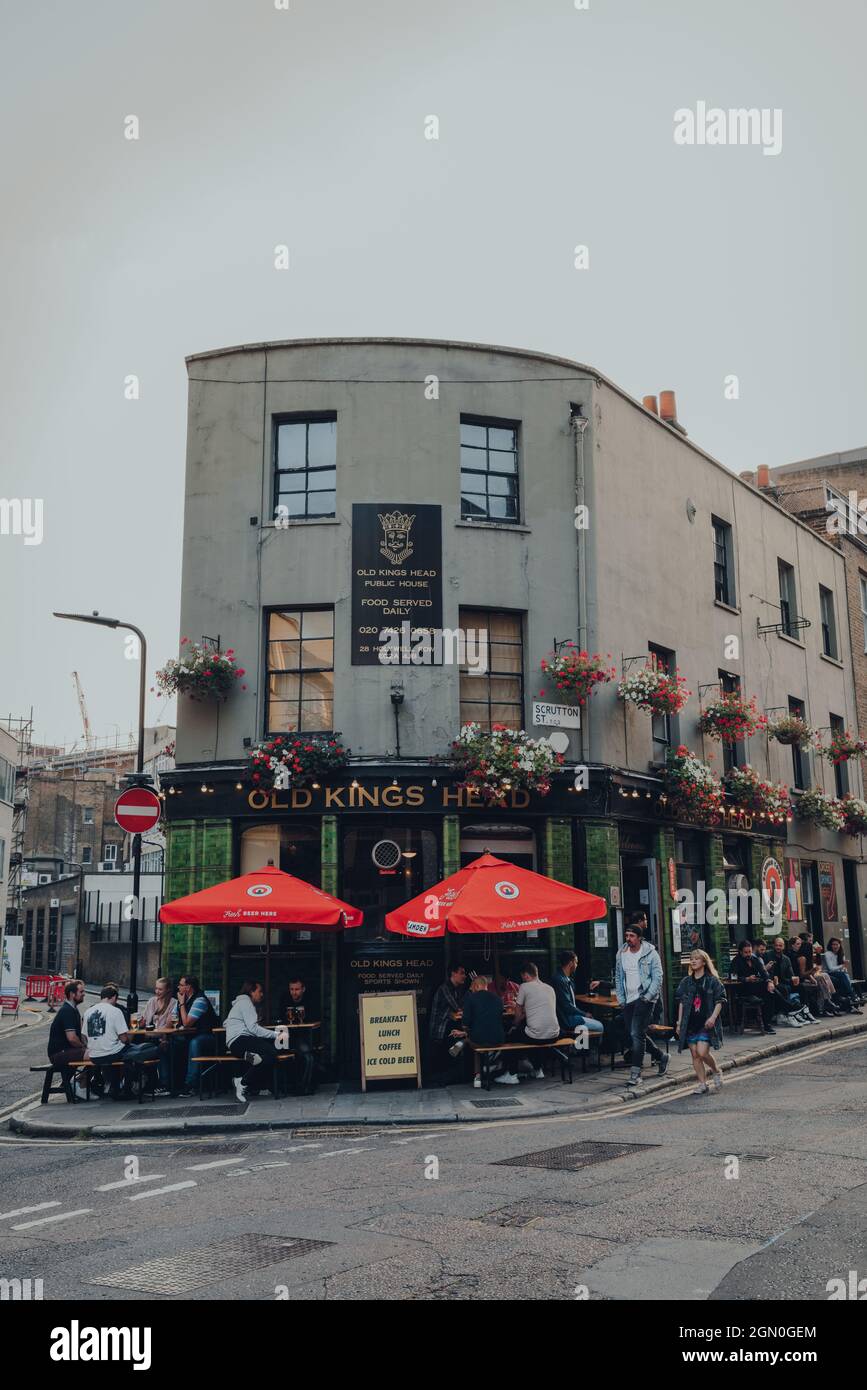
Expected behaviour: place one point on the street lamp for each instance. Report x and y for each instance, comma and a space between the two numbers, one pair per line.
138, 779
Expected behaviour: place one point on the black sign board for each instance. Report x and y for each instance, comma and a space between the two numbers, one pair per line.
397, 554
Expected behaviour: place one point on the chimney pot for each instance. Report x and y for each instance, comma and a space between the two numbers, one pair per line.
667, 406
649, 403
763, 476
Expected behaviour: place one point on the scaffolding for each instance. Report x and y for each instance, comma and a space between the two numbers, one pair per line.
21, 729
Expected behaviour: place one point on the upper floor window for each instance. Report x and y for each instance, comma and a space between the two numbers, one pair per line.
663, 727
723, 563
841, 771
489, 470
800, 758
7, 780
305, 467
495, 695
788, 599
300, 670
829, 622
86, 854
733, 754
109, 852
87, 815
863, 588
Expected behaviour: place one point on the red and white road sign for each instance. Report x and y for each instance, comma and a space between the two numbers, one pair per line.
137, 810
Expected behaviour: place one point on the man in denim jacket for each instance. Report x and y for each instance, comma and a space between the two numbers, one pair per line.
638, 983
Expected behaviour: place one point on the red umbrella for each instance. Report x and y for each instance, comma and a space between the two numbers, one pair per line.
491, 895
266, 898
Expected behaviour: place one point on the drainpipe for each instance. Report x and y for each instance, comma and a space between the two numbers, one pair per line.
578, 426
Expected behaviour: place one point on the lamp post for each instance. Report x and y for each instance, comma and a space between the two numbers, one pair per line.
138, 779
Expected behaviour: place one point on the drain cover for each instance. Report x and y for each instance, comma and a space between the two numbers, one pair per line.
525, 1213
572, 1157
183, 1112
177, 1274
490, 1102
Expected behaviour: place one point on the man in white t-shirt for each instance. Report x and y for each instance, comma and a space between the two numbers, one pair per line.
108, 1039
536, 1014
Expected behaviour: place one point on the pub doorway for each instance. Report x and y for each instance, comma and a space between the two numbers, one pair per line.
853, 917
487, 954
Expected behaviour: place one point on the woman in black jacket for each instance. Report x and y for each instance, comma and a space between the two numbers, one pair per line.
700, 997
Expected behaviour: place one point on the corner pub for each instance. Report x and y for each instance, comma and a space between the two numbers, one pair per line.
322, 474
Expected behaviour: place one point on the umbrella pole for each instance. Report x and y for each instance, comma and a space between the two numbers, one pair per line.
267, 969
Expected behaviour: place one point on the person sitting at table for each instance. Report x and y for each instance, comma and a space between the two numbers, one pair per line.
244, 1033
535, 1015
293, 998
108, 1040
802, 975
569, 1016
196, 1012
824, 984
161, 1012
835, 964
482, 1023
754, 982
779, 969
443, 1027
505, 989
760, 948
65, 1042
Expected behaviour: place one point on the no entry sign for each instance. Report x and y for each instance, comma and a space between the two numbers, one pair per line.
137, 810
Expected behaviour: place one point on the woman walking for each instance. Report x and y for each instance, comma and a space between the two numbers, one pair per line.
700, 996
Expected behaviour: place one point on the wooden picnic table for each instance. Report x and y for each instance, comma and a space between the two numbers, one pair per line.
602, 1001
293, 1025
159, 1032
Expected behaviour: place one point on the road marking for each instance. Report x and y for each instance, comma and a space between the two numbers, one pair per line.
159, 1191
217, 1163
61, 1216
334, 1152
127, 1182
23, 1211
294, 1149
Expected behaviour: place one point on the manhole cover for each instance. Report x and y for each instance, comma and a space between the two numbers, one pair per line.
226, 1259
208, 1150
183, 1112
573, 1157
525, 1213
490, 1102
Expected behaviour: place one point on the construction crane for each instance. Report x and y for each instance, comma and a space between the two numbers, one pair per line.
88, 736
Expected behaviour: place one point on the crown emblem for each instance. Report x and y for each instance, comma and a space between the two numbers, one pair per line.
396, 545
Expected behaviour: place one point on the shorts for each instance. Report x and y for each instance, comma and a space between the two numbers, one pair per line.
697, 1038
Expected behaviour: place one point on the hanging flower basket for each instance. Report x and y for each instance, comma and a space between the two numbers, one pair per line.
854, 815
752, 793
576, 674
293, 760
494, 763
791, 730
730, 718
842, 747
692, 788
202, 673
652, 688
821, 810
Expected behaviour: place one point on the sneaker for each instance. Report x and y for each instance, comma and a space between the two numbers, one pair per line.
716, 1081
808, 1017
700, 1090
787, 1021
477, 1083
539, 1074
769, 1029
240, 1090
506, 1079
662, 1065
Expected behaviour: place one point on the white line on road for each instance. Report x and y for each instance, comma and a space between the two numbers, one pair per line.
334, 1152
294, 1149
127, 1182
217, 1163
60, 1216
159, 1191
23, 1211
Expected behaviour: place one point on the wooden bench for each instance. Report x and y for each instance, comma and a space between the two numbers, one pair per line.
88, 1069
210, 1072
64, 1089
565, 1055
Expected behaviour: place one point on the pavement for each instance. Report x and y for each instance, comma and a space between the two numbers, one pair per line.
334, 1105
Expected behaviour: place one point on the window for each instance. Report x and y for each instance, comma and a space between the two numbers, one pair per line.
495, 696
863, 587
733, 753
86, 854
7, 780
305, 467
841, 771
109, 852
87, 814
489, 470
829, 623
723, 563
300, 671
2, 860
788, 599
662, 726
800, 758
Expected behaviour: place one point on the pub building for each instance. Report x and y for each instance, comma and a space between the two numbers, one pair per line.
338, 489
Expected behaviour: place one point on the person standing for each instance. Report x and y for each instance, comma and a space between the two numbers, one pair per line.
700, 997
638, 986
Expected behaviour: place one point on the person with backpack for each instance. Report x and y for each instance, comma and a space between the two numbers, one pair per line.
699, 998
195, 1011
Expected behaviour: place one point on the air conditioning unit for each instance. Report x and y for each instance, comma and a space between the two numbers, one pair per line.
54, 902
108, 866
45, 878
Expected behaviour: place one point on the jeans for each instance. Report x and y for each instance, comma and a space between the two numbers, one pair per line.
637, 1018
264, 1048
520, 1035
202, 1045
591, 1025
133, 1052
843, 984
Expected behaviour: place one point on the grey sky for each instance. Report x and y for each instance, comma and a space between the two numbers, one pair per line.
261, 127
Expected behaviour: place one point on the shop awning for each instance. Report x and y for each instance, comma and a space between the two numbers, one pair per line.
265, 898
492, 895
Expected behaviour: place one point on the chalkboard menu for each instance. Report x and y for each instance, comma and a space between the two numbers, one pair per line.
396, 578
